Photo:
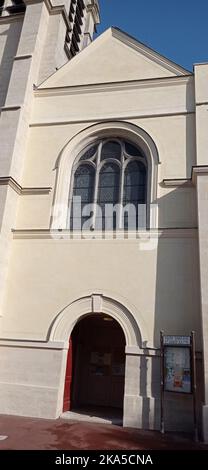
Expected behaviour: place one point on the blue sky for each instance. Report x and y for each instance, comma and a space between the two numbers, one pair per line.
177, 29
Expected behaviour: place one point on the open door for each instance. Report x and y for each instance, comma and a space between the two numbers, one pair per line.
99, 363
68, 380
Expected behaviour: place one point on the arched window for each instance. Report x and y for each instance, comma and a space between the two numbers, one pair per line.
109, 181
83, 193
108, 194
134, 193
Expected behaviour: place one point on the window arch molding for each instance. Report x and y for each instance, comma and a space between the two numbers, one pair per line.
69, 158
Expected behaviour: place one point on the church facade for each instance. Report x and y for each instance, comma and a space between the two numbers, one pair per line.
86, 126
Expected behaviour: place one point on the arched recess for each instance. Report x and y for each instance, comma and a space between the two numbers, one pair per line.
72, 149
95, 303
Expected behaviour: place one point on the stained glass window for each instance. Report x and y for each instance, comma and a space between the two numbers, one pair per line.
135, 194
111, 187
132, 150
89, 153
82, 196
111, 150
108, 194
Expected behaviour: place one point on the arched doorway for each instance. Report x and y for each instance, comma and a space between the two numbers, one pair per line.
96, 366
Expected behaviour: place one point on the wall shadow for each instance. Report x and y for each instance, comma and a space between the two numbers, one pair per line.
177, 295
9, 47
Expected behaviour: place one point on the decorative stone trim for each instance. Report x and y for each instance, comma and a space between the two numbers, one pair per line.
199, 170
9, 181
145, 235
53, 10
177, 182
203, 103
97, 303
66, 319
22, 57
121, 129
110, 117
30, 191
21, 343
186, 182
93, 7
113, 86
11, 18
61, 345
10, 108
58, 10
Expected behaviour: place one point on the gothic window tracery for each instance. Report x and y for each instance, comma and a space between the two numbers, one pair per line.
110, 173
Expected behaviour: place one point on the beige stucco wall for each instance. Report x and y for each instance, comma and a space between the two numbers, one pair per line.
97, 63
60, 270
177, 206
47, 275
157, 281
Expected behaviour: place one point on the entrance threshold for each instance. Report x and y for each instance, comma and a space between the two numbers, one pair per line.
102, 415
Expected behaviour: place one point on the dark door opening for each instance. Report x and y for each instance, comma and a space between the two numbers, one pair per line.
98, 364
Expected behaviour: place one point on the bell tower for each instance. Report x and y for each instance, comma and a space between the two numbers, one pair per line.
36, 38
70, 28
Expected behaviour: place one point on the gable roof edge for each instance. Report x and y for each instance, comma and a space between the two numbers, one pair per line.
129, 41
76, 59
148, 52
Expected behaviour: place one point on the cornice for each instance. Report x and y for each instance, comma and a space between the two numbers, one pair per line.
12, 183
117, 237
22, 57
31, 2
107, 118
32, 344
199, 170
11, 18
93, 7
112, 86
60, 345
203, 103
53, 10
58, 10
10, 108
177, 182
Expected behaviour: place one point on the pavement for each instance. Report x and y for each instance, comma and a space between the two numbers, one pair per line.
42, 434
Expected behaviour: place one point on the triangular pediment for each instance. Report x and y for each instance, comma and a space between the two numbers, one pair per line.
113, 57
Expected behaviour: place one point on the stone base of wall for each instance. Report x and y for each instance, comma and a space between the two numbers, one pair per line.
32, 379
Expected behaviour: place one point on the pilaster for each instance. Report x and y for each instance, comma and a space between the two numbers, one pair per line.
200, 176
14, 120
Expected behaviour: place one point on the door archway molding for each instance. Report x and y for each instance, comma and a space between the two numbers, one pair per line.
98, 303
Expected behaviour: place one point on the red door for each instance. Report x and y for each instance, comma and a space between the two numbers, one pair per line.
68, 380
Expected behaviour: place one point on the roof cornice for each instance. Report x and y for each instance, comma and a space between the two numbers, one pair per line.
148, 52
12, 183
113, 86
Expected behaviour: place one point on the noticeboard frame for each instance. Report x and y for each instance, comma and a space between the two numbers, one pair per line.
190, 368
192, 351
